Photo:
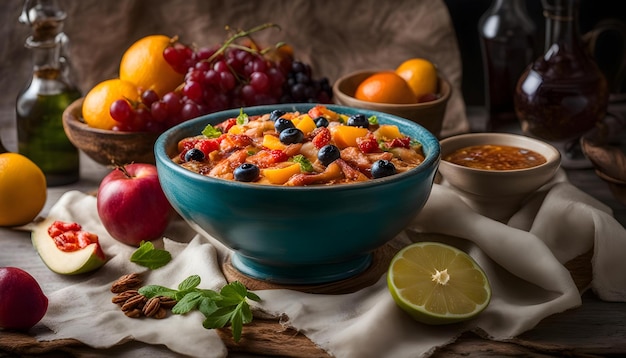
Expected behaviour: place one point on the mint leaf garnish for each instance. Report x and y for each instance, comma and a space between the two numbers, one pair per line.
148, 256
156, 290
242, 118
189, 283
229, 306
211, 132
373, 120
305, 164
189, 302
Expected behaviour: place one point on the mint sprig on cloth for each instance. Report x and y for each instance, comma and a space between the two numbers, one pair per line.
227, 307
149, 256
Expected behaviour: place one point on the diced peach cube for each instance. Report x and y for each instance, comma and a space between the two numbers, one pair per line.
272, 142
345, 136
281, 175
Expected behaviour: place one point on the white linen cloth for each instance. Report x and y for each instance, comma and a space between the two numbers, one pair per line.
523, 260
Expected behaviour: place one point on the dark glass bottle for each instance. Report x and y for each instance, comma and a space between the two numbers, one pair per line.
563, 94
40, 106
507, 38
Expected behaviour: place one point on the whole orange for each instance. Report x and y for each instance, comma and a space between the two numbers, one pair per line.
420, 74
385, 87
98, 101
144, 65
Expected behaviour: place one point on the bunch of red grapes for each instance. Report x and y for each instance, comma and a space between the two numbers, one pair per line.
220, 78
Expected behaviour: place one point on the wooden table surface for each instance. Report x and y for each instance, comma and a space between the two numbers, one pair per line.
596, 328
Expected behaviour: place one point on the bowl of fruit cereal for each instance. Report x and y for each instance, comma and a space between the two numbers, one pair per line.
301, 193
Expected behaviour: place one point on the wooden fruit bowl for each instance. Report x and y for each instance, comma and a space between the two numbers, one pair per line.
428, 114
107, 147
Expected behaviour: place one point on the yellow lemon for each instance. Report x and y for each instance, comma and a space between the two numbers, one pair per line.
437, 283
420, 74
144, 65
22, 190
98, 100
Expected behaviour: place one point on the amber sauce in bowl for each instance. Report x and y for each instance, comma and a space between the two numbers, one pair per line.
495, 157
496, 172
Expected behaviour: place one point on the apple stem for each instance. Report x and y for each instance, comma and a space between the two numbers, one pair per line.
122, 168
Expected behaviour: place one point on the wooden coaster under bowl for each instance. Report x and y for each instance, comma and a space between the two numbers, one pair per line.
579, 267
380, 263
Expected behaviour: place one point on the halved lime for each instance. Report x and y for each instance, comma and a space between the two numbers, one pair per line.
437, 283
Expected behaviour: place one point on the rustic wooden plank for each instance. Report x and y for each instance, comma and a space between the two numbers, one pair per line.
269, 338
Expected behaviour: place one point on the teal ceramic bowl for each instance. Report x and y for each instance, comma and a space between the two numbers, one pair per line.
297, 235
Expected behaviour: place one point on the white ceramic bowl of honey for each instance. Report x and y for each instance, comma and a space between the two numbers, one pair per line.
495, 172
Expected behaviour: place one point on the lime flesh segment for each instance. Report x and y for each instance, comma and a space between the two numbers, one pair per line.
437, 283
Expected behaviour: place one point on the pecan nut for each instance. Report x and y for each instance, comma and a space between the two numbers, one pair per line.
167, 302
161, 313
126, 282
137, 301
151, 307
122, 297
134, 313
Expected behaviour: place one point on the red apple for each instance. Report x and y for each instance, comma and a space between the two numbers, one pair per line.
22, 302
132, 205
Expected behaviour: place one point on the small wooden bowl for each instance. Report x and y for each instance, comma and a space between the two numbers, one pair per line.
429, 115
107, 147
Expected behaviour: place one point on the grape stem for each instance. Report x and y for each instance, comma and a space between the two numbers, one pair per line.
238, 35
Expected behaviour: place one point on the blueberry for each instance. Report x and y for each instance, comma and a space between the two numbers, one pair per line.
275, 114
328, 154
194, 154
383, 168
291, 136
246, 172
281, 124
321, 122
358, 120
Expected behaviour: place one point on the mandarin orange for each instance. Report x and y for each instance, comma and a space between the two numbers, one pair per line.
144, 65
420, 74
385, 87
98, 100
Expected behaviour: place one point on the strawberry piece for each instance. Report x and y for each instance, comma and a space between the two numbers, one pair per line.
367, 144
208, 145
400, 143
321, 138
